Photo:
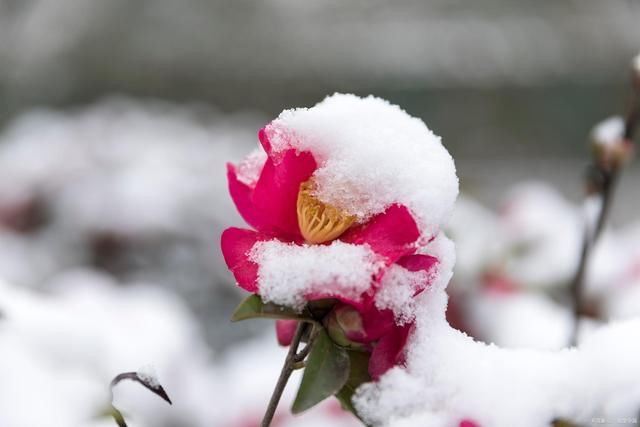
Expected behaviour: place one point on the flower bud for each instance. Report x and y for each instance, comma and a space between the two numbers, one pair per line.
344, 324
285, 330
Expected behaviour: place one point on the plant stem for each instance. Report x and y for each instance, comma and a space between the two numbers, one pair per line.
607, 179
589, 241
293, 358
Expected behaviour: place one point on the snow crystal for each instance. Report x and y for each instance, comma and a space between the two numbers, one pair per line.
608, 131
372, 154
287, 272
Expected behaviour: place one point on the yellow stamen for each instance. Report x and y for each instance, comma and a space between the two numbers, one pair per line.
319, 222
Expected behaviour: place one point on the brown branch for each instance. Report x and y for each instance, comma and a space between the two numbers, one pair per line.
292, 361
602, 181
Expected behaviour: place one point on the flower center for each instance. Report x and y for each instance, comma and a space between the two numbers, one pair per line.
319, 222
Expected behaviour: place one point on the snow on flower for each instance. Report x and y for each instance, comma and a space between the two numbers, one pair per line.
343, 198
449, 379
342, 269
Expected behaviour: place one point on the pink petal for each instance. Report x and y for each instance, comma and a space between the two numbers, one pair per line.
276, 193
241, 194
468, 423
390, 234
264, 140
499, 284
418, 262
285, 329
236, 244
360, 303
389, 351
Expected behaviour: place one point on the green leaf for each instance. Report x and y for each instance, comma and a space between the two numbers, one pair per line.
326, 373
359, 374
253, 307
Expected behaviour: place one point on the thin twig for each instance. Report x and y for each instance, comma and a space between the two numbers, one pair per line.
292, 360
302, 354
150, 383
606, 178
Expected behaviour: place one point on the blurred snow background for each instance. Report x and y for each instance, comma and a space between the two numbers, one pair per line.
116, 120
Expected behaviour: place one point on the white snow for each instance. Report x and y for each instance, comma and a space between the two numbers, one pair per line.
372, 154
608, 131
519, 320
398, 285
148, 375
534, 378
542, 233
62, 349
397, 290
478, 238
450, 377
287, 272
249, 169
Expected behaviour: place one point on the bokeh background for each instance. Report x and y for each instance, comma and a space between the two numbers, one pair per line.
117, 118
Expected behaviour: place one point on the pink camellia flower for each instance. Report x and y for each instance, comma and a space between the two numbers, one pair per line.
303, 249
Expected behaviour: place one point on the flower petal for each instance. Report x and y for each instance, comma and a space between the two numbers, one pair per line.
276, 193
264, 140
418, 262
285, 330
236, 244
242, 194
389, 351
361, 303
390, 234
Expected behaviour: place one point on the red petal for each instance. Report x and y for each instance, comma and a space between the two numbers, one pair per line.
360, 303
390, 234
236, 244
276, 193
418, 262
389, 351
377, 323
285, 330
264, 140
241, 194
